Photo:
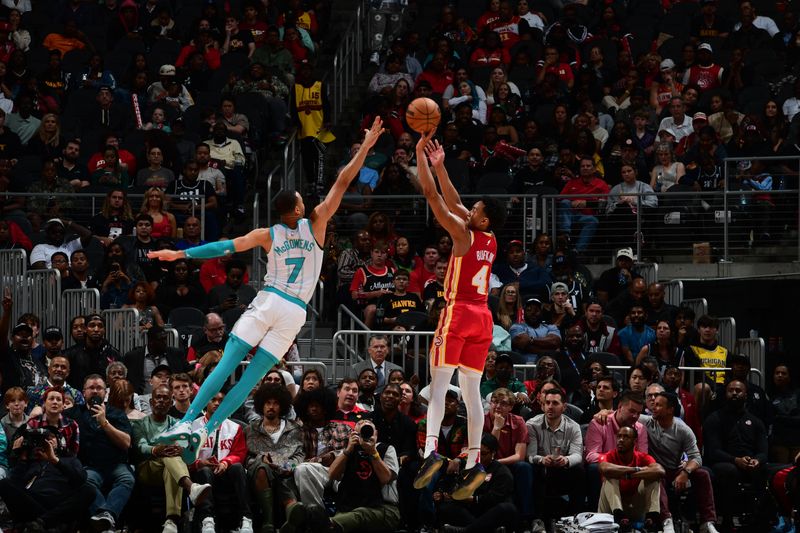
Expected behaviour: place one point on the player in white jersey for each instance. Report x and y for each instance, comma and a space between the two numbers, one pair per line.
274, 318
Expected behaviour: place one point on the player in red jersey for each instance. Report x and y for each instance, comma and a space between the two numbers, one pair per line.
464, 332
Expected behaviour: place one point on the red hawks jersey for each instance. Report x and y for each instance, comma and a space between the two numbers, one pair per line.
467, 278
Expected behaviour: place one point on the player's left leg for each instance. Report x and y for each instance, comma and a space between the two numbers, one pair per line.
470, 370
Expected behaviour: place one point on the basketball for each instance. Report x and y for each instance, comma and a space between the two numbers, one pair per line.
423, 115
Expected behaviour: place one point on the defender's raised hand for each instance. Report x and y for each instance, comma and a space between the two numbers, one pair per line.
372, 135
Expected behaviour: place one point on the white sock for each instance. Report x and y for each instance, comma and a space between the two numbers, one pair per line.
440, 381
470, 383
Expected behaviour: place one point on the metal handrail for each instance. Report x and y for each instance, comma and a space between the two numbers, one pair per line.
340, 338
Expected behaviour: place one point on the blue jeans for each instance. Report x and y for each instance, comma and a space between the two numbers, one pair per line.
523, 487
120, 479
568, 216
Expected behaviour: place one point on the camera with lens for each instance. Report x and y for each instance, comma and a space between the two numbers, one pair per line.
366, 432
34, 438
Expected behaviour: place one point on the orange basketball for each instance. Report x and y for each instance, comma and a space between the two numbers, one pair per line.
423, 115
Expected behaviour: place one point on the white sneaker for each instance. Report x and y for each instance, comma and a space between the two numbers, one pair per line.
169, 527
667, 526
375, 58
208, 525
247, 525
198, 492
708, 527
177, 434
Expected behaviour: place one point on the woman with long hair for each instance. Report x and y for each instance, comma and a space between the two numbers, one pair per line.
509, 306
667, 172
380, 229
142, 297
664, 349
111, 174
404, 256
47, 141
164, 223
181, 289
498, 77
409, 402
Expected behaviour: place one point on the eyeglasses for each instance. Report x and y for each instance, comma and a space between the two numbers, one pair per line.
653, 394
502, 403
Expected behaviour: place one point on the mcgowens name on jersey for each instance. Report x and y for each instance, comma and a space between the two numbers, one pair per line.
293, 244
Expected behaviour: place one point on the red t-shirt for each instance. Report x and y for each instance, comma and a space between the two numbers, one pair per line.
513, 432
628, 487
595, 187
419, 278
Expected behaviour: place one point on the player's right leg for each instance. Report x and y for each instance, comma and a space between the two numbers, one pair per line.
247, 332
470, 370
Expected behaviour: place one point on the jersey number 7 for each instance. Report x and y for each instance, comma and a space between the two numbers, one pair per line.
297, 265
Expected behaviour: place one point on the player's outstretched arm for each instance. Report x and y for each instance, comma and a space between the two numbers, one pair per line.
454, 225
452, 199
326, 209
257, 237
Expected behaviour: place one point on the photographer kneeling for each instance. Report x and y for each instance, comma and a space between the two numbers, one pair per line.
47, 487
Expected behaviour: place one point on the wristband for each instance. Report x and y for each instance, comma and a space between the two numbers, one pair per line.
376, 455
211, 250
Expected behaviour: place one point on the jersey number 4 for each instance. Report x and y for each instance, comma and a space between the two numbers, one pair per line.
481, 281
297, 266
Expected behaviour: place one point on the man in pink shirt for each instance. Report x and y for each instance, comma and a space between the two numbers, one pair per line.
601, 438
583, 209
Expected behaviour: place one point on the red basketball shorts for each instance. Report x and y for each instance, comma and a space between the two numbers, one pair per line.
463, 336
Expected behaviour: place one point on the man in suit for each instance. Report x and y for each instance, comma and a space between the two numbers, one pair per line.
378, 349
141, 361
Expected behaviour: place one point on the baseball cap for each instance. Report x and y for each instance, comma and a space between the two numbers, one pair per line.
53, 332
699, 116
533, 301
705, 46
159, 368
453, 392
515, 242
560, 260
20, 327
625, 252
167, 70
55, 221
95, 316
558, 287
667, 64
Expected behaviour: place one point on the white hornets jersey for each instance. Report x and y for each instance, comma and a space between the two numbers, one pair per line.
294, 262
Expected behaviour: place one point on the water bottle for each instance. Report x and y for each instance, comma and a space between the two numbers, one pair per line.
659, 178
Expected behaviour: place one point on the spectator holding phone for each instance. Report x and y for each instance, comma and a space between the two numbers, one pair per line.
106, 433
234, 293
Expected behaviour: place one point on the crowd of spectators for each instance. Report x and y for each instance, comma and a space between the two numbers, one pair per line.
617, 104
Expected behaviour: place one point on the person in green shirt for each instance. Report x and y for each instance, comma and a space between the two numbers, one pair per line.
504, 378
151, 461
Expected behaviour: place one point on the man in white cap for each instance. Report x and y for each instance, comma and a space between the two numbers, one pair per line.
56, 241
165, 92
705, 74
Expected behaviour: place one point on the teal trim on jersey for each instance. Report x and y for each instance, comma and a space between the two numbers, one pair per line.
311, 228
288, 297
211, 250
